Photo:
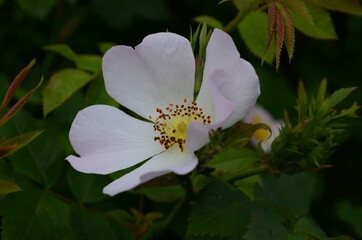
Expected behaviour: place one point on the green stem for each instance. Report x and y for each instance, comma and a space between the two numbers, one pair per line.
175, 211
161, 227
189, 195
253, 172
243, 12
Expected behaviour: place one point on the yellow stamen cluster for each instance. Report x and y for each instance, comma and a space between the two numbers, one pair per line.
172, 123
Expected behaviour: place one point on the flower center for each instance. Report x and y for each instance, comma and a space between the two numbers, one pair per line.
172, 123
261, 134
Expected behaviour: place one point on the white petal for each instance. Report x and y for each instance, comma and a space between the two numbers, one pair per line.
221, 110
241, 85
258, 114
158, 72
108, 140
171, 160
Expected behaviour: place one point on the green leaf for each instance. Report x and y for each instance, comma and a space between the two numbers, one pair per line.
4, 151
294, 192
322, 26
18, 142
34, 214
7, 187
90, 226
105, 46
38, 8
97, 94
300, 8
61, 86
253, 29
233, 161
240, 4
6, 170
339, 95
321, 94
42, 159
194, 37
265, 226
302, 99
346, 6
303, 225
163, 194
210, 21
221, 210
86, 187
63, 50
92, 63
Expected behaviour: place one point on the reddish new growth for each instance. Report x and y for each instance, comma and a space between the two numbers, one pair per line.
172, 123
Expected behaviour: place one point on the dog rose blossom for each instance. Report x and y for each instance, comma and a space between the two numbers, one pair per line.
156, 81
259, 115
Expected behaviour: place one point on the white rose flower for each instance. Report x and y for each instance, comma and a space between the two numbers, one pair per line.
156, 81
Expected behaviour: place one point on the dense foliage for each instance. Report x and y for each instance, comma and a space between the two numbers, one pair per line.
308, 187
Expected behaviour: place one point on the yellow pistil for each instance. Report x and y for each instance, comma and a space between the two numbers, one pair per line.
172, 123
261, 134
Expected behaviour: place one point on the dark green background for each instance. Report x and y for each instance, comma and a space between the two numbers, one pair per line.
25, 29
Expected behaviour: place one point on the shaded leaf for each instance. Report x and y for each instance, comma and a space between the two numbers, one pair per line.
6, 170
86, 187
37, 8
322, 26
302, 99
253, 30
321, 94
163, 194
346, 6
97, 94
15, 84
34, 214
233, 161
17, 142
221, 210
303, 225
210, 21
7, 187
294, 192
92, 63
339, 95
63, 50
17, 106
61, 86
90, 226
265, 226
351, 214
43, 158
4, 151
